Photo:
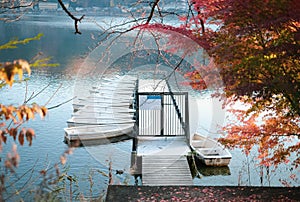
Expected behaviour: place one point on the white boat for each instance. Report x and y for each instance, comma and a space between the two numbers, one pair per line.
112, 91
105, 133
209, 151
118, 80
104, 107
109, 97
103, 115
75, 121
115, 84
103, 100
96, 109
94, 113
100, 104
115, 88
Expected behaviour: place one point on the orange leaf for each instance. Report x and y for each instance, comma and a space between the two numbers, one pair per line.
21, 137
13, 132
44, 111
29, 135
3, 137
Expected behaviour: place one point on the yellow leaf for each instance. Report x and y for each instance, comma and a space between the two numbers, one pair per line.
23, 64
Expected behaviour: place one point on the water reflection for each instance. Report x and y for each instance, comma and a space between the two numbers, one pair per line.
199, 170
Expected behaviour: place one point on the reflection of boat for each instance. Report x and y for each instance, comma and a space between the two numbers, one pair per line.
209, 151
103, 133
210, 171
198, 169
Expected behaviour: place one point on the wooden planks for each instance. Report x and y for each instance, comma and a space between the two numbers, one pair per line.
163, 170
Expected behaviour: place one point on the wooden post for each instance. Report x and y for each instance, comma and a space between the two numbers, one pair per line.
187, 120
135, 132
136, 125
162, 114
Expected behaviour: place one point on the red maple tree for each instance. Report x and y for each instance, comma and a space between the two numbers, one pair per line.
255, 45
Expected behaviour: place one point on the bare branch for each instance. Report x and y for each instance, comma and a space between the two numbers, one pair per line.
76, 20
152, 11
53, 95
53, 107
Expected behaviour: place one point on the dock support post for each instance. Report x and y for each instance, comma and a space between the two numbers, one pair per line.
187, 120
162, 114
135, 132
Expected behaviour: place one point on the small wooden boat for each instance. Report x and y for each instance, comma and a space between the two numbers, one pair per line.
103, 115
118, 79
75, 121
115, 88
209, 151
97, 113
95, 133
115, 85
103, 101
105, 109
77, 105
111, 98
112, 91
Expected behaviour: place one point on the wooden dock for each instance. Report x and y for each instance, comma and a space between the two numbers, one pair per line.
161, 142
164, 170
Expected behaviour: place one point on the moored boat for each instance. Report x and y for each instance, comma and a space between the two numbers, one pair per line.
97, 133
209, 151
112, 91
105, 109
75, 121
103, 115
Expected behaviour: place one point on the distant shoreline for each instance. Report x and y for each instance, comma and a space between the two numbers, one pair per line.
47, 8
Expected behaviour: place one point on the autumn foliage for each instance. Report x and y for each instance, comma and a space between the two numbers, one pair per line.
255, 46
12, 117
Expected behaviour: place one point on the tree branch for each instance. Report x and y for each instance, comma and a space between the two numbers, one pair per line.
56, 106
152, 11
76, 20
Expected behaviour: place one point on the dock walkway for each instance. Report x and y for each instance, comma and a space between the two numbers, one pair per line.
160, 147
163, 170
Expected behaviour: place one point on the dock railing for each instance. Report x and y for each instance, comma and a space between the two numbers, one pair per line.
161, 114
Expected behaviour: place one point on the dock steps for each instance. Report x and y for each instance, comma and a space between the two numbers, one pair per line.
164, 170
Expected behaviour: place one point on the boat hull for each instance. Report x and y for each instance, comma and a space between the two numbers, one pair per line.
81, 122
209, 151
91, 135
223, 161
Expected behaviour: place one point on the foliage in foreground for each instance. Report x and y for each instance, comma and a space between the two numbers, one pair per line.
13, 117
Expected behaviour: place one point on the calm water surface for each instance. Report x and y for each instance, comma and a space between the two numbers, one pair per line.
69, 50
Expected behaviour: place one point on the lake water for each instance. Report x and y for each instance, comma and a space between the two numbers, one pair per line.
73, 52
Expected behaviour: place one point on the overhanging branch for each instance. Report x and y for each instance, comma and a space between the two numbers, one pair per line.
76, 20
